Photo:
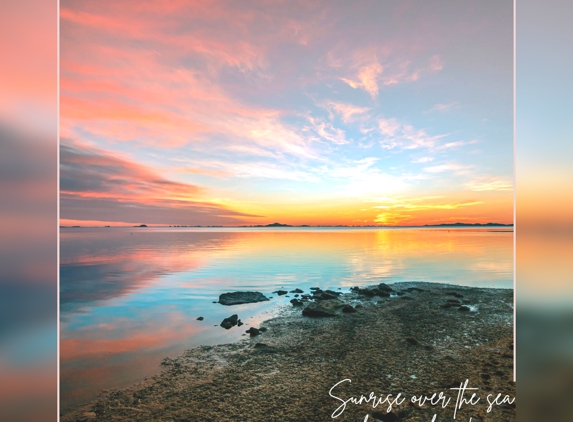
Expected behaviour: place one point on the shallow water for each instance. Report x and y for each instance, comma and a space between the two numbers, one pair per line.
130, 297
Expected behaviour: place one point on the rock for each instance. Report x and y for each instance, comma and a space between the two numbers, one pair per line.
315, 288
281, 292
296, 302
348, 309
372, 291
453, 301
456, 294
383, 287
385, 417
237, 298
464, 309
414, 289
253, 332
296, 295
332, 292
86, 416
368, 292
297, 291
167, 362
200, 318
265, 348
305, 296
263, 329
230, 322
324, 295
446, 306
412, 341
322, 309
239, 323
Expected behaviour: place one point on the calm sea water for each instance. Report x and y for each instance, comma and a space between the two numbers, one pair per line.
131, 296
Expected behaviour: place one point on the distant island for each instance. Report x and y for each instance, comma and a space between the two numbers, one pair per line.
141, 225
468, 225
458, 224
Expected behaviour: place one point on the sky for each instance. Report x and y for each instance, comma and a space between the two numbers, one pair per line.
301, 112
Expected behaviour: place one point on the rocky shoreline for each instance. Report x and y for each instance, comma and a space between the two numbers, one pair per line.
411, 338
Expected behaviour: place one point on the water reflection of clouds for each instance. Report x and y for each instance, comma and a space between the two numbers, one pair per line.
135, 298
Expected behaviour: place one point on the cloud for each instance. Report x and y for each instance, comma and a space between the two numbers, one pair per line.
423, 160
455, 144
347, 112
405, 136
442, 168
490, 184
360, 178
327, 131
442, 107
373, 67
95, 185
367, 79
400, 210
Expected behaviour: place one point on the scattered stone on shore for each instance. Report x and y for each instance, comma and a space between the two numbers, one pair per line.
325, 308
385, 417
280, 292
383, 287
237, 298
167, 362
456, 294
230, 322
262, 329
265, 348
296, 302
200, 318
464, 308
348, 309
324, 295
302, 357
382, 290
412, 341
86, 416
297, 290
414, 289
253, 331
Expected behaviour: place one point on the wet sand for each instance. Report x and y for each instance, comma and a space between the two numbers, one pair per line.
410, 344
